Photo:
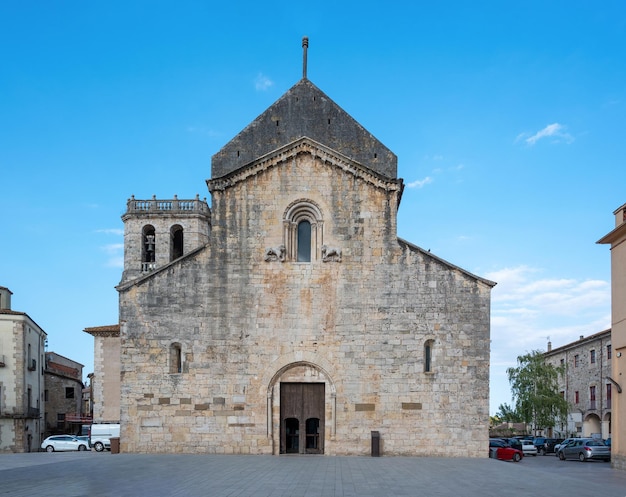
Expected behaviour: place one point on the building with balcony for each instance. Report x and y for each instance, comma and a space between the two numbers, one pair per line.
22, 345
586, 385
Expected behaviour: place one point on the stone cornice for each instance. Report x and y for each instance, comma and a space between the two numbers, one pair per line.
104, 331
615, 237
305, 146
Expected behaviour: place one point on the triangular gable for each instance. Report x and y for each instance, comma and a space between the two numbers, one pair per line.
306, 145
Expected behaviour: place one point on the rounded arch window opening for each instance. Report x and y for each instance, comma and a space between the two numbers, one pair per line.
303, 235
304, 242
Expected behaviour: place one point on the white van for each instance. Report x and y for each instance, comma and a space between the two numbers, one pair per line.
100, 435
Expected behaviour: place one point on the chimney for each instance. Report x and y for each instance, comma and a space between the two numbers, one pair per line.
582, 336
5, 298
549, 346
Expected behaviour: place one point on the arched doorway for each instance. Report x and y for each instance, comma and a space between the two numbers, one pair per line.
302, 418
591, 425
301, 409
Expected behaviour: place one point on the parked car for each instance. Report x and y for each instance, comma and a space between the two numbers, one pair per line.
514, 442
500, 449
528, 447
63, 442
84, 438
558, 446
585, 449
546, 445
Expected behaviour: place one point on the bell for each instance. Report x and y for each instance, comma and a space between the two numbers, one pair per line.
150, 243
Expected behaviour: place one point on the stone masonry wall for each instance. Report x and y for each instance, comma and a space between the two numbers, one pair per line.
358, 325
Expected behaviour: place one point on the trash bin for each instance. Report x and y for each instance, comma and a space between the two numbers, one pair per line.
115, 445
375, 444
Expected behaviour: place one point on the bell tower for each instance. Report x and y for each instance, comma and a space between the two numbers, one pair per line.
157, 232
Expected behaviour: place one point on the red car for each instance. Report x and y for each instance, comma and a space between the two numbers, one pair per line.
499, 449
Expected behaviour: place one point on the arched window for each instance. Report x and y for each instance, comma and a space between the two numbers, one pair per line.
176, 358
428, 356
304, 234
148, 248
304, 242
176, 242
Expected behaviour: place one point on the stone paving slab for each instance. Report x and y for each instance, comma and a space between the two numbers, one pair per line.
135, 475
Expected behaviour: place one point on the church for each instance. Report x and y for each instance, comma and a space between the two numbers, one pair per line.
286, 316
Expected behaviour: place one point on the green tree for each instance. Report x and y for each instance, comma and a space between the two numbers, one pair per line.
534, 385
508, 414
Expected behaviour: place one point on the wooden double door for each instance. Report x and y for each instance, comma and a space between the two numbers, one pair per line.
302, 418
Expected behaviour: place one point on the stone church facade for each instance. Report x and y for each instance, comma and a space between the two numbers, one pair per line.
288, 317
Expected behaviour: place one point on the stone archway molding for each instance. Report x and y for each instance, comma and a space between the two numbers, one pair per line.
291, 361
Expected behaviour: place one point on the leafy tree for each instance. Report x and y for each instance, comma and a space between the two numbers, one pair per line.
534, 385
508, 414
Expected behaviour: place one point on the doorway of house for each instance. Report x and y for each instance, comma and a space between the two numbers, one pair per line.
302, 418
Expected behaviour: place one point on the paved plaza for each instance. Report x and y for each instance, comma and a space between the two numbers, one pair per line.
117, 475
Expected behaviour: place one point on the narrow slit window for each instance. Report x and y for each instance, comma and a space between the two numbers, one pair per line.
428, 356
304, 241
176, 359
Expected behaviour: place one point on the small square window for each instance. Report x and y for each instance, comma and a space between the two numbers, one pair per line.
69, 392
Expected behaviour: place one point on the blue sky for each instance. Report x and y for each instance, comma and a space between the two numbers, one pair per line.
508, 122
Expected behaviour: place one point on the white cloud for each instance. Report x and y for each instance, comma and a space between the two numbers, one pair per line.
436, 157
420, 183
116, 262
115, 254
111, 231
262, 82
555, 131
527, 308
204, 131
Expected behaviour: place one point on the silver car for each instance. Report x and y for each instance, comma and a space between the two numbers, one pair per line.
557, 447
63, 442
585, 449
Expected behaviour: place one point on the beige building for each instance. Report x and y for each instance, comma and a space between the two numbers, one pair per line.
22, 345
288, 317
104, 392
587, 385
617, 240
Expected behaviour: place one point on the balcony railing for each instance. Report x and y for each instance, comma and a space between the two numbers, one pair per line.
33, 412
78, 418
146, 267
170, 206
